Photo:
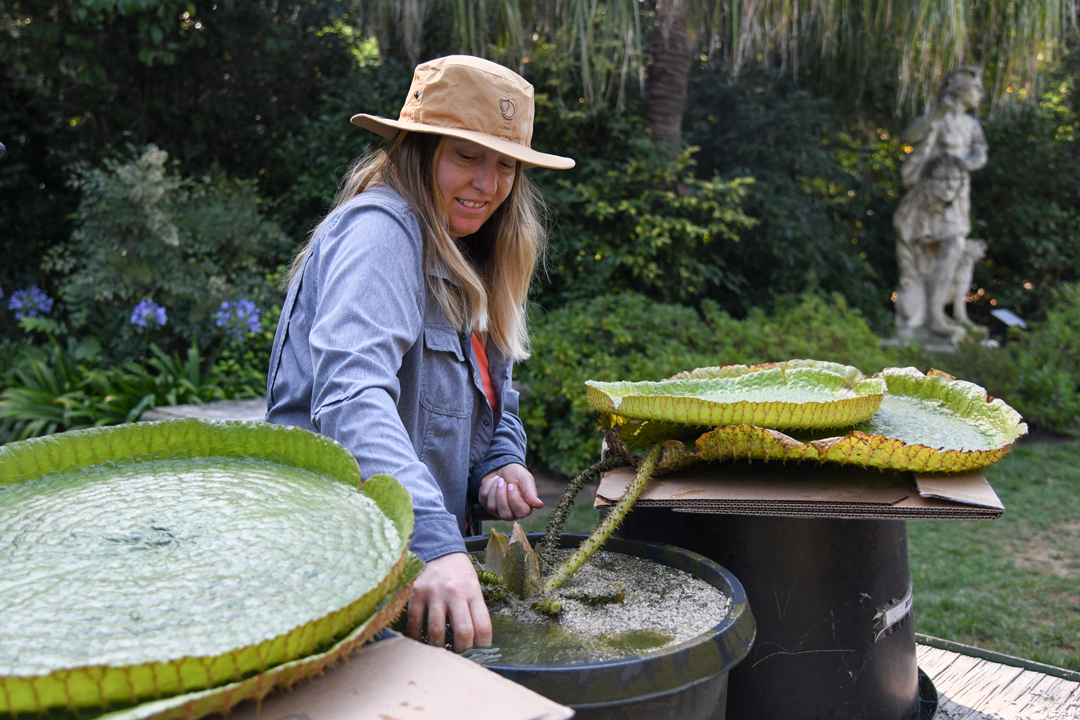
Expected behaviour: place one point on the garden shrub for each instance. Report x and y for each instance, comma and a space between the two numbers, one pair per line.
820, 328
1026, 203
145, 233
65, 384
313, 151
215, 84
825, 184
1048, 366
628, 218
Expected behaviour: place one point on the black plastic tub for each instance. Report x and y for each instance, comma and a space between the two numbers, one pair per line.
687, 681
833, 605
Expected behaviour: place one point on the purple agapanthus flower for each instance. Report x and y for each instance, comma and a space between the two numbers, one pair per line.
148, 314
238, 318
30, 302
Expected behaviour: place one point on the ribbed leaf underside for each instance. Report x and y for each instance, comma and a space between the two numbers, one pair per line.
798, 394
222, 478
927, 423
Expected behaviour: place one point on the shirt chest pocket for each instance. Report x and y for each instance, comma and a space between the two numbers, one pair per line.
445, 387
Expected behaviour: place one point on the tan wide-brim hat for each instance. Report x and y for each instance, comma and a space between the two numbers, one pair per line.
471, 98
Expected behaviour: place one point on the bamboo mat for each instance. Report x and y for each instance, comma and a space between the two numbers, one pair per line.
970, 688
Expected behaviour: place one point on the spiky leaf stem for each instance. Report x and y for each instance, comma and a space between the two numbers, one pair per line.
614, 518
548, 604
487, 577
547, 547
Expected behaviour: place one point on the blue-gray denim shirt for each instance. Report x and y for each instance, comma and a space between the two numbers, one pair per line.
364, 355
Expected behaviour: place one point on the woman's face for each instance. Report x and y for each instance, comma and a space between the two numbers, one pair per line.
474, 181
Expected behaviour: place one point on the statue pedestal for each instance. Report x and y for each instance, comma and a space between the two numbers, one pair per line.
934, 342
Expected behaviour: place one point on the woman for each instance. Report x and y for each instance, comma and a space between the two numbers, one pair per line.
405, 313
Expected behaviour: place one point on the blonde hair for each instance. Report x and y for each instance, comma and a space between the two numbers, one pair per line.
492, 268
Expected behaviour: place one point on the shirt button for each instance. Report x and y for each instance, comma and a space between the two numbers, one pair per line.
487, 423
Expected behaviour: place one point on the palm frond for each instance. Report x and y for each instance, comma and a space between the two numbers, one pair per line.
844, 40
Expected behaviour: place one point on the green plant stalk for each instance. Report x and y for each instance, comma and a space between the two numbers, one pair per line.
548, 604
550, 543
487, 577
612, 521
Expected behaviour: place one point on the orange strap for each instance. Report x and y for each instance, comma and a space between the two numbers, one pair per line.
485, 373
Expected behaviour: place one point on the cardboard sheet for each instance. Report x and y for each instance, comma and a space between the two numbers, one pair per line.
811, 490
400, 679
967, 489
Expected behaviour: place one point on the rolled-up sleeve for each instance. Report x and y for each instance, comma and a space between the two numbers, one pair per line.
369, 289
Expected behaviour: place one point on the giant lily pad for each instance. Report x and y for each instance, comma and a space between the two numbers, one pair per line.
927, 423
223, 698
797, 394
158, 559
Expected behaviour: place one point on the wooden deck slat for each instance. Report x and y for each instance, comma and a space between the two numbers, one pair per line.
1019, 700
992, 694
1019, 687
974, 689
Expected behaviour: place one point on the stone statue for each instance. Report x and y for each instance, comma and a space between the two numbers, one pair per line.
932, 223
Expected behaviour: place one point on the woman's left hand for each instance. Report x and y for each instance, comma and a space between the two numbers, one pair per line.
510, 492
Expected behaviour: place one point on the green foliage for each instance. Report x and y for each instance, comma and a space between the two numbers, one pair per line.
46, 388
626, 337
1026, 202
629, 337
1048, 377
314, 149
213, 83
69, 385
842, 45
822, 197
628, 219
145, 233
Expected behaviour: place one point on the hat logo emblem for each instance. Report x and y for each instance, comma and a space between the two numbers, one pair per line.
508, 109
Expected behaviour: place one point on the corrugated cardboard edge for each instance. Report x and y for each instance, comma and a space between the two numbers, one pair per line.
401, 679
811, 490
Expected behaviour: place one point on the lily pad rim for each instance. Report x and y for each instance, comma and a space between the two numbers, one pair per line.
71, 452
849, 396
153, 708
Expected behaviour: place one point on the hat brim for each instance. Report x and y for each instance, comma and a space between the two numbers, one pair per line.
389, 128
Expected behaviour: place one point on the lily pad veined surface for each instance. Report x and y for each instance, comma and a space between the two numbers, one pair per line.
798, 394
927, 423
221, 699
157, 559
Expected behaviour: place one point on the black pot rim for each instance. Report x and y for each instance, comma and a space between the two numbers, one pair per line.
738, 620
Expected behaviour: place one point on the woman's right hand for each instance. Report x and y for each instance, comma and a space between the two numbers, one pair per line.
448, 588
509, 492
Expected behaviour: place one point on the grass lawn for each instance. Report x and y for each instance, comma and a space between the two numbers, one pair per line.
1010, 585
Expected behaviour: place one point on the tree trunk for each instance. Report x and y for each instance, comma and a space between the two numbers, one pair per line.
669, 74
412, 21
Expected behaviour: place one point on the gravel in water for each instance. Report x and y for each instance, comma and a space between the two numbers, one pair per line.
663, 607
